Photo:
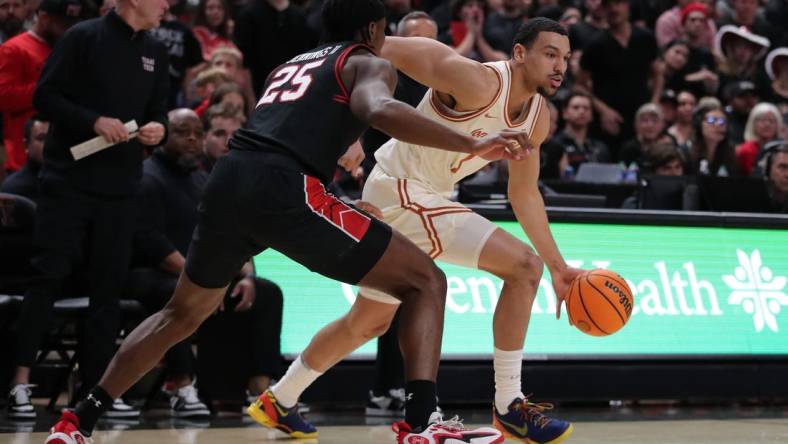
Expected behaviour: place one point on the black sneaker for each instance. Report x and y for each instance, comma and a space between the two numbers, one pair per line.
19, 405
389, 404
186, 404
120, 409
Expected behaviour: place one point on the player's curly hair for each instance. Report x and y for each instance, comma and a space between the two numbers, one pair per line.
343, 19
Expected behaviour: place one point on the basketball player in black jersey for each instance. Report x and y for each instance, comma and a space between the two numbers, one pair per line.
268, 193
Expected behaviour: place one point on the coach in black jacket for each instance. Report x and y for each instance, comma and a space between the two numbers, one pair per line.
102, 72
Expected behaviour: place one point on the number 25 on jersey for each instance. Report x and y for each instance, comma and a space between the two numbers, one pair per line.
289, 84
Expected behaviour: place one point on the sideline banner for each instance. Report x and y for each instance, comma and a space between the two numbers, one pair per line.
698, 291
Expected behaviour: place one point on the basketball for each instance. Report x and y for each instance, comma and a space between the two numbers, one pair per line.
599, 302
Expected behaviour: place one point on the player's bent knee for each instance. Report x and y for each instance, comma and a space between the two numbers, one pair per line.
367, 328
527, 270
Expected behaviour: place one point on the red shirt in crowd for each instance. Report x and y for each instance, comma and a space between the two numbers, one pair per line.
21, 61
746, 155
210, 41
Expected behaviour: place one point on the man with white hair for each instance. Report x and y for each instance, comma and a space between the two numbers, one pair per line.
103, 72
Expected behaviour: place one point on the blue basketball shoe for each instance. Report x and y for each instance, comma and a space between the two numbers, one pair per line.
267, 411
526, 422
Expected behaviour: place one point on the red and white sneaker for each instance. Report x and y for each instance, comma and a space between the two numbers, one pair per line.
66, 431
451, 431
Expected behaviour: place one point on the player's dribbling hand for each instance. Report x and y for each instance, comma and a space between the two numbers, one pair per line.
111, 129
561, 282
151, 133
369, 208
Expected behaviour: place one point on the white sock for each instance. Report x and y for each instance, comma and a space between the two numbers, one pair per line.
294, 382
508, 367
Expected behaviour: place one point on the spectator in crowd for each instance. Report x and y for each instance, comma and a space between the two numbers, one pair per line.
570, 16
231, 61
740, 53
595, 21
741, 97
672, 64
466, 31
206, 83
776, 163
746, 14
681, 130
268, 33
96, 78
21, 60
668, 103
501, 26
672, 24
172, 185
763, 126
230, 95
213, 27
664, 159
698, 27
649, 130
185, 54
710, 153
617, 66
777, 71
700, 72
574, 141
12, 18
25, 181
220, 124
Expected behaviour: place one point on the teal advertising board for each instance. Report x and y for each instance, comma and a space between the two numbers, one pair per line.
699, 291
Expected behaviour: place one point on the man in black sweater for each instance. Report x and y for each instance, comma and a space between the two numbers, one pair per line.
103, 72
172, 185
25, 181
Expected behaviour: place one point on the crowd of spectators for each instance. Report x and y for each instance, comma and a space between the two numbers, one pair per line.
694, 88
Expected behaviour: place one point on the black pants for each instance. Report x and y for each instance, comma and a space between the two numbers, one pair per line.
261, 324
74, 228
389, 366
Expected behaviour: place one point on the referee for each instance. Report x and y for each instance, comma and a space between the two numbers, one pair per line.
101, 73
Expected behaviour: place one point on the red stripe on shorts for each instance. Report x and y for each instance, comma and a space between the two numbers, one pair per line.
338, 213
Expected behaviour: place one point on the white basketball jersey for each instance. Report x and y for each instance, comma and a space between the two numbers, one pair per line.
442, 169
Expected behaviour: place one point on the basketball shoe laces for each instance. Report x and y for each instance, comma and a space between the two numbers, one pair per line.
531, 411
451, 425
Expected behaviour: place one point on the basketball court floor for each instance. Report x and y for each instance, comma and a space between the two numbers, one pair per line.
657, 424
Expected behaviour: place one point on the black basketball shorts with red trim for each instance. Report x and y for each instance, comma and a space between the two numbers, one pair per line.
257, 200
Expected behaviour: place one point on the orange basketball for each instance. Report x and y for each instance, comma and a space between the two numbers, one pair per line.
599, 302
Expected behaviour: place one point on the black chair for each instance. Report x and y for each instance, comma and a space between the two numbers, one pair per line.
668, 193
735, 194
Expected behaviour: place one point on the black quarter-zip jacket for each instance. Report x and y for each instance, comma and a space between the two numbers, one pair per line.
101, 67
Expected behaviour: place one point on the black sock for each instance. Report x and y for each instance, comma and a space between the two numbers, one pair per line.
420, 403
90, 408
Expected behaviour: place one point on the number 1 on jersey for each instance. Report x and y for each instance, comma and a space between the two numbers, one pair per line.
300, 83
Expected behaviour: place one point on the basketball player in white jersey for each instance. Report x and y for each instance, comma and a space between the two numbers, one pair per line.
411, 185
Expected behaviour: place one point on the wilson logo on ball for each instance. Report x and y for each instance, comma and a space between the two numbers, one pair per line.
622, 296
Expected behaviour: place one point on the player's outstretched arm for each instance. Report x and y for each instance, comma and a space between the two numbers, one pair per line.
371, 101
528, 206
431, 63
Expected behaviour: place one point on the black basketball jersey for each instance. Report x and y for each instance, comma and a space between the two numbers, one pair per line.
304, 111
